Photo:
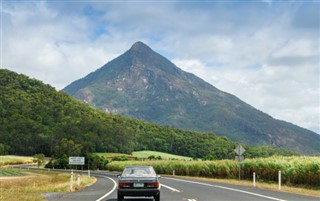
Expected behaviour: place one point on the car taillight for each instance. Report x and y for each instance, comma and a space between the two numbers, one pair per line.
124, 185
153, 185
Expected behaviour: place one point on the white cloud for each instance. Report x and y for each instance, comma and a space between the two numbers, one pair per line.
40, 43
261, 52
297, 48
194, 66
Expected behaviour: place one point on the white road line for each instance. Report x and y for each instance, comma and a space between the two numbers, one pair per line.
170, 188
107, 194
226, 188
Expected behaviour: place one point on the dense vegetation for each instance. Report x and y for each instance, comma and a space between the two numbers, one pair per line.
35, 118
295, 170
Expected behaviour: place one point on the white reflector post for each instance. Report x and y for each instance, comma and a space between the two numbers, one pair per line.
279, 176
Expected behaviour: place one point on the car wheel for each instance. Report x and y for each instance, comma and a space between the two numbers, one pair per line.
120, 197
157, 197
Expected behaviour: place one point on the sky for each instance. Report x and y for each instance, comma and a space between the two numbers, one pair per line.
266, 52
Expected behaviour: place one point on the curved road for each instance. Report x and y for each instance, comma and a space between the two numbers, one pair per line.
176, 189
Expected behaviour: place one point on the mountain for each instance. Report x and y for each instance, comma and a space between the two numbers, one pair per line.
35, 118
143, 84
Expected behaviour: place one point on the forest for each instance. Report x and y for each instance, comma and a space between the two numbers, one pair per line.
36, 118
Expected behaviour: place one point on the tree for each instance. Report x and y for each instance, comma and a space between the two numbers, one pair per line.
39, 159
96, 162
4, 149
68, 148
62, 151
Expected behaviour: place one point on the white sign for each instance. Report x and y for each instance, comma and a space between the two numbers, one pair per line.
239, 150
74, 160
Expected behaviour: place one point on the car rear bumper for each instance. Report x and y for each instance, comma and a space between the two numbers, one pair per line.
138, 192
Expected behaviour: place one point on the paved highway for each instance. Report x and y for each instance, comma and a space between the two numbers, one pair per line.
177, 189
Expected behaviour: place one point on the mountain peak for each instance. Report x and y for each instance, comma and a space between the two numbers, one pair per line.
140, 47
142, 55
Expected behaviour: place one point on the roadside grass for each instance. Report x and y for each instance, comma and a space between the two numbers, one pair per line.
32, 186
165, 156
15, 160
262, 185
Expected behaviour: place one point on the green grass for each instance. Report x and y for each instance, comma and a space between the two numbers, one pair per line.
15, 160
10, 172
165, 156
144, 155
112, 155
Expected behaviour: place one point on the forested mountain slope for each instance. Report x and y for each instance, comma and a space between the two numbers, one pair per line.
34, 118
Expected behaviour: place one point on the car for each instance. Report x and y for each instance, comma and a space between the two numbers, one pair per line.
141, 181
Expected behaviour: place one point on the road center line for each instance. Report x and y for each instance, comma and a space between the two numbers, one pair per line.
227, 188
107, 194
170, 188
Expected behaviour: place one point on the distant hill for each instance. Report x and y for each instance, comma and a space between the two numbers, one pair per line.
143, 84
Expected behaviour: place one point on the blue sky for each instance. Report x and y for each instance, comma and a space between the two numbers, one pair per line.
265, 52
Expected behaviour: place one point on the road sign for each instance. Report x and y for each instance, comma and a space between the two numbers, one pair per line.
74, 160
239, 158
239, 150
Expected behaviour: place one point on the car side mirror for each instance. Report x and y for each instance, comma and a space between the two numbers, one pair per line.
159, 176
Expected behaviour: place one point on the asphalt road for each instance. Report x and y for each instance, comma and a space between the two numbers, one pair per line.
176, 189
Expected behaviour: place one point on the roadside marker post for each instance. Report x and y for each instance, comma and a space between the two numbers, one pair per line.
279, 183
254, 179
79, 180
71, 180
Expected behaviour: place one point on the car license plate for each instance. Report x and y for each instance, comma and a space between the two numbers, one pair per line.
138, 185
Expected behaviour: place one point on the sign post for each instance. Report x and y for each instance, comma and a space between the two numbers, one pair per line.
75, 160
239, 151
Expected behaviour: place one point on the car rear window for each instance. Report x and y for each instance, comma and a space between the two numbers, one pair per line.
138, 172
